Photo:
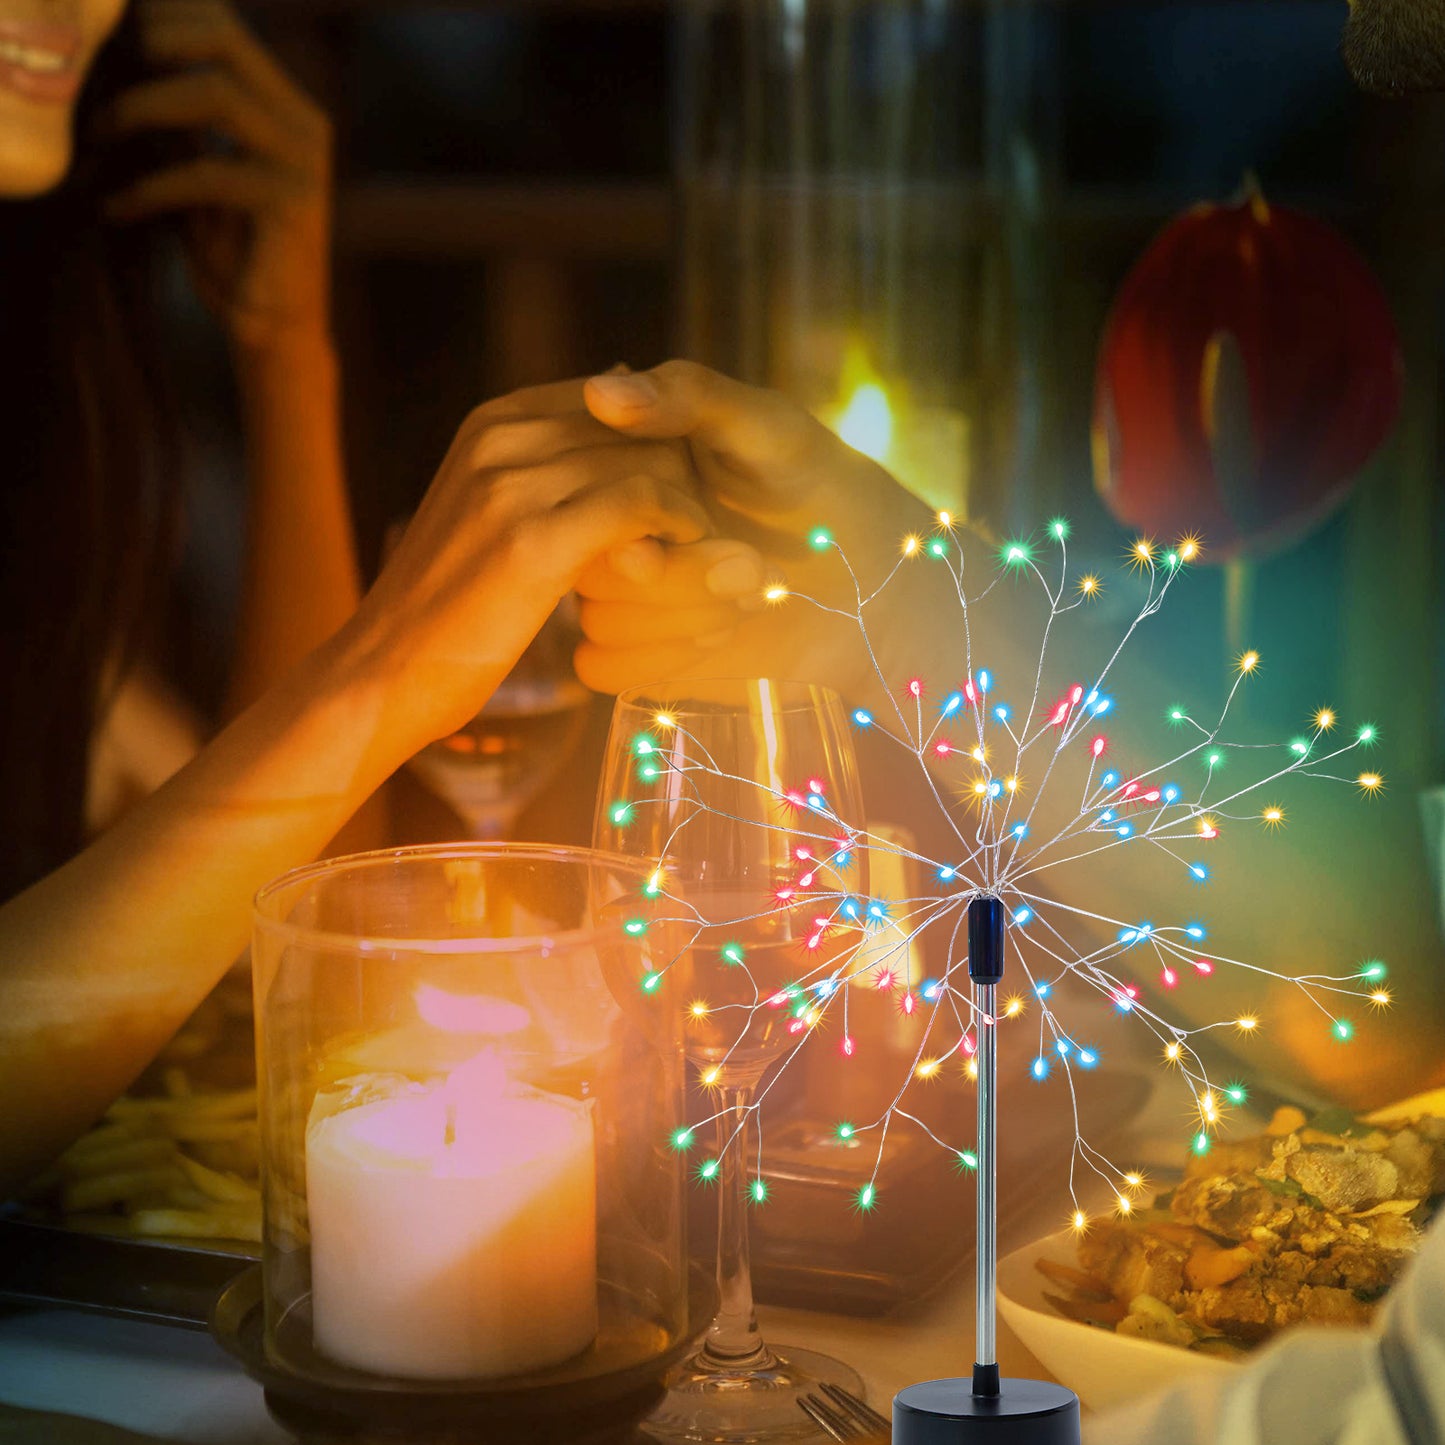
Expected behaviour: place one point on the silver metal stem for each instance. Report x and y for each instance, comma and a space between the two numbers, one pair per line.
986, 1233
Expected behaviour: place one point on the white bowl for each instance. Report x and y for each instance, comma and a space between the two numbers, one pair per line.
1432, 1101
1099, 1366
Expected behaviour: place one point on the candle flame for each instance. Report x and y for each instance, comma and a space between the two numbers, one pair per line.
470, 1089
866, 421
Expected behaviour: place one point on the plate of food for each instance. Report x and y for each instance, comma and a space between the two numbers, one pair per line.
1309, 1222
152, 1210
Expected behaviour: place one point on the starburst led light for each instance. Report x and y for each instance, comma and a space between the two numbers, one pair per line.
973, 748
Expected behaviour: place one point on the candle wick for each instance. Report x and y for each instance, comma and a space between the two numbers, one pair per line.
450, 1137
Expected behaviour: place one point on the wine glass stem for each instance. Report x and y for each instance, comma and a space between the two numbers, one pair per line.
488, 825
733, 1341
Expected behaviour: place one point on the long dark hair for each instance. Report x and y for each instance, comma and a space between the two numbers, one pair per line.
88, 475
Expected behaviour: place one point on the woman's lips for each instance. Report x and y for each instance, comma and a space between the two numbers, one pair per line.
40, 62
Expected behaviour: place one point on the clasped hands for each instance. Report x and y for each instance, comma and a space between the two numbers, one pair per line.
669, 500
767, 474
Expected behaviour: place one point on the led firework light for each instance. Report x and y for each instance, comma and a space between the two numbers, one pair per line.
1038, 791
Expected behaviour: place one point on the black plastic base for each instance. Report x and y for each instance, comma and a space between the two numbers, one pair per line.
947, 1412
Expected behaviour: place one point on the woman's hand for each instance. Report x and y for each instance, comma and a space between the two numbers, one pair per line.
531, 491
260, 214
770, 473
256, 200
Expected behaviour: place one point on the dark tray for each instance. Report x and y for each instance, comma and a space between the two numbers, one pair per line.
167, 1282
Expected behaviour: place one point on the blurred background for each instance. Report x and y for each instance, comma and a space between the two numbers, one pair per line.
545, 188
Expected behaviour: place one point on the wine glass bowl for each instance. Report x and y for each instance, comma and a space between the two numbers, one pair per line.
743, 797
492, 768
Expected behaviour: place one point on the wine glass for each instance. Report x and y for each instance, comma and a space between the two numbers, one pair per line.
488, 771
744, 795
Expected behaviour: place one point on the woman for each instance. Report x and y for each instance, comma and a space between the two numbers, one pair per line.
90, 493
104, 955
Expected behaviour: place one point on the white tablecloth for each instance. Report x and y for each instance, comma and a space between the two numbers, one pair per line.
179, 1385
154, 1379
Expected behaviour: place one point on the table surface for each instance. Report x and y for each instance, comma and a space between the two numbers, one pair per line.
178, 1384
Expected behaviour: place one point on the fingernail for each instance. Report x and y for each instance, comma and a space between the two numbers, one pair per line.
633, 392
638, 562
735, 576
715, 639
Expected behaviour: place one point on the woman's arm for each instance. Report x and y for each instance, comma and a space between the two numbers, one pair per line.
106, 957
300, 580
258, 227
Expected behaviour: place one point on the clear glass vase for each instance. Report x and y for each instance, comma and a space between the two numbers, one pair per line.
862, 185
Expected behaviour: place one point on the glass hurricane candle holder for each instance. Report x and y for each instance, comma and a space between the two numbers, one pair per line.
467, 1180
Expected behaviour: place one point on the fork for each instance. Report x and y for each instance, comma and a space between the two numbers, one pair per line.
844, 1416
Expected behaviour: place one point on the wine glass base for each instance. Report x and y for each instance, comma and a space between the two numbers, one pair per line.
747, 1407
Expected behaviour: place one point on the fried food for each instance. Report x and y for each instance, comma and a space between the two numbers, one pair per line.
1310, 1222
150, 1168
180, 1158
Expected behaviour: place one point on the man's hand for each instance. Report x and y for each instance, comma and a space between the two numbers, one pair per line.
770, 473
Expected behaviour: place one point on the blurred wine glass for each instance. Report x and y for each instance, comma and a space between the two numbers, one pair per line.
488, 771
744, 795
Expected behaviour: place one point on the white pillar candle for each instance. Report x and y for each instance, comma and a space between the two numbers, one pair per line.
453, 1229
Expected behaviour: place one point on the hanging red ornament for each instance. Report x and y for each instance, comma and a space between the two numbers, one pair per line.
1248, 370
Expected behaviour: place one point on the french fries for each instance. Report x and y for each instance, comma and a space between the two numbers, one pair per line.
234, 1104
182, 1165
117, 1187
218, 1185
122, 1154
228, 1222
